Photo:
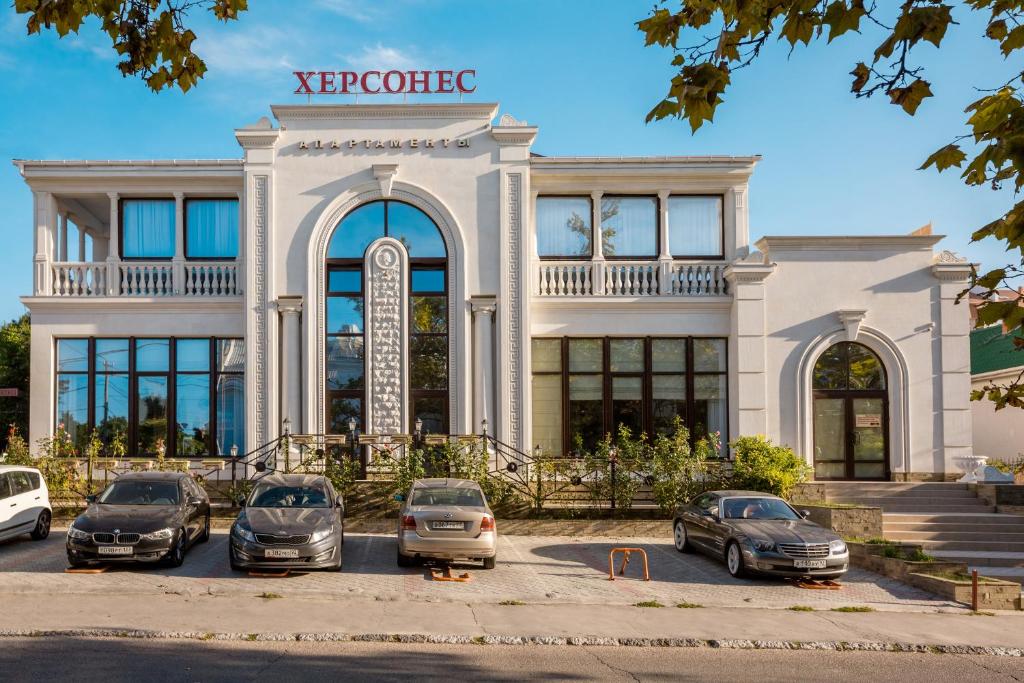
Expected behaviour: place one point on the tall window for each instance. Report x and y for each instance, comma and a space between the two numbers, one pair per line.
564, 227
428, 300
186, 395
695, 226
211, 228
586, 388
147, 228
629, 227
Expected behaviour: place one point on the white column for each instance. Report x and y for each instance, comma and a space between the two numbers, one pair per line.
597, 242
483, 364
178, 263
665, 251
114, 248
748, 350
81, 242
955, 345
290, 392
62, 250
44, 205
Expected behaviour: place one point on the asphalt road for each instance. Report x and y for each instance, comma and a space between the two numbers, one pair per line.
66, 659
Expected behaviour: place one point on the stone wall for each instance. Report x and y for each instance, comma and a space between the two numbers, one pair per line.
1011, 495
809, 492
848, 522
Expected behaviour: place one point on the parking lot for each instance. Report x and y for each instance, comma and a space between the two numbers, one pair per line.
531, 569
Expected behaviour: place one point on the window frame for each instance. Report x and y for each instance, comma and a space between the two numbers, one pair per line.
578, 257
721, 228
184, 228
657, 227
120, 227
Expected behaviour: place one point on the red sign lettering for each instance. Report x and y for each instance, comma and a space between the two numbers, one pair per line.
391, 82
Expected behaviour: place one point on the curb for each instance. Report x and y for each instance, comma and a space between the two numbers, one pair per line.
580, 641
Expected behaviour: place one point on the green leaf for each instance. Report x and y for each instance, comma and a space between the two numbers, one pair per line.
842, 19
910, 98
950, 155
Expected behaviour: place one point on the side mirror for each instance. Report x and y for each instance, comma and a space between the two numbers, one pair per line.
339, 503
241, 502
90, 498
399, 497
805, 514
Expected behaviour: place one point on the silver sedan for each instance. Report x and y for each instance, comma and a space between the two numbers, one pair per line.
446, 519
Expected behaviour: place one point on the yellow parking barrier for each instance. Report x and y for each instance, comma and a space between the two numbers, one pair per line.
445, 574
86, 570
625, 560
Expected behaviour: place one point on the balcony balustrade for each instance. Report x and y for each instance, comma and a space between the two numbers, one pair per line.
144, 279
630, 278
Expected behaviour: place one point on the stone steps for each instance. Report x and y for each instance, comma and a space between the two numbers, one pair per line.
979, 528
922, 535
983, 558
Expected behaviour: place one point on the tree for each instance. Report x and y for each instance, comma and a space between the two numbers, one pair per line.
729, 35
14, 364
149, 35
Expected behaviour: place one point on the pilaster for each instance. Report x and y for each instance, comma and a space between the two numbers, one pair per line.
178, 262
290, 308
483, 309
114, 247
953, 274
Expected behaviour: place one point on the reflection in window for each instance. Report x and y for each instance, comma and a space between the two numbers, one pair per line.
356, 231
695, 226
345, 367
563, 226
147, 228
192, 414
848, 365
586, 424
151, 411
629, 226
415, 230
211, 228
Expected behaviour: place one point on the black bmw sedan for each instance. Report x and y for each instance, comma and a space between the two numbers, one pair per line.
141, 517
758, 533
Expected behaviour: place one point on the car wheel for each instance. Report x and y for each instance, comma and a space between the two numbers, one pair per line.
42, 529
680, 537
734, 560
490, 562
405, 560
204, 536
176, 555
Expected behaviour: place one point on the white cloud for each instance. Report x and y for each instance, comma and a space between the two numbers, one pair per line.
357, 10
383, 58
251, 49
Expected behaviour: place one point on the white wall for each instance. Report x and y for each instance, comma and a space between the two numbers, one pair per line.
997, 434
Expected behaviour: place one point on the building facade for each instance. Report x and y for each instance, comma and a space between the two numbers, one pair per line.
379, 265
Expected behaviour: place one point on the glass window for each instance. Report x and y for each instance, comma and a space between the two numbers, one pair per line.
192, 413
430, 314
415, 230
546, 355
230, 413
112, 407
427, 280
865, 369
668, 400
429, 359
430, 410
345, 366
72, 355
830, 370
709, 355
695, 226
192, 355
627, 355
231, 355
628, 404
151, 409
151, 355
586, 422
73, 406
629, 226
341, 410
345, 314
709, 405
211, 228
547, 413
668, 355
357, 231
848, 365
348, 280
111, 355
586, 355
147, 228
564, 226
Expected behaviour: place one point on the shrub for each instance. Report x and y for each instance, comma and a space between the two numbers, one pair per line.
762, 466
342, 472
679, 472
632, 457
17, 449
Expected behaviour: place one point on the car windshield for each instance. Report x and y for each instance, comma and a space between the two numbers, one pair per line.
444, 495
140, 493
276, 496
758, 508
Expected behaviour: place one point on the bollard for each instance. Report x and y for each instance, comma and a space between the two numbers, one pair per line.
974, 590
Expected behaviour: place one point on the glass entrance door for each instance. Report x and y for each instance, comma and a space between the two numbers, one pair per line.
867, 438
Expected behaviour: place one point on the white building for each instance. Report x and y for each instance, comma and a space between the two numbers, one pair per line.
393, 262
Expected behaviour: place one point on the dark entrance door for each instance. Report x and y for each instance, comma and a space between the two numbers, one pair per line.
851, 415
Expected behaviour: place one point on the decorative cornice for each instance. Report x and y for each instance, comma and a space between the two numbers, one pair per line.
947, 256
385, 175
206, 305
289, 304
847, 242
748, 272
256, 138
952, 272
299, 112
514, 135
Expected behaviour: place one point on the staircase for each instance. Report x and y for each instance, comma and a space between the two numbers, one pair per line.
948, 520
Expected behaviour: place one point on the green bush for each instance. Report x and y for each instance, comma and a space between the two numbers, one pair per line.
343, 473
632, 457
678, 472
17, 449
762, 466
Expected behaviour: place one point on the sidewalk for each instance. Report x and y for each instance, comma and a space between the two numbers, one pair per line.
291, 618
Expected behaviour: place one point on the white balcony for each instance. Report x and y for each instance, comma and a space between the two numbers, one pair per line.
653, 278
143, 279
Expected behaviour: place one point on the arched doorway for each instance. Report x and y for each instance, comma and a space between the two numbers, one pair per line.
851, 414
427, 328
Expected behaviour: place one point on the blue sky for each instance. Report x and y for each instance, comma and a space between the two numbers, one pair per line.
578, 70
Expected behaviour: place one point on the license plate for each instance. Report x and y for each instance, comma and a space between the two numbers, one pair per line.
809, 564
282, 552
115, 550
448, 525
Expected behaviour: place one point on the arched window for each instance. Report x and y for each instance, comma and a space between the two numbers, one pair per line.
851, 414
428, 319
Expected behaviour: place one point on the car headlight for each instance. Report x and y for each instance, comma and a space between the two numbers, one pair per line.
838, 547
244, 534
763, 546
321, 534
78, 534
158, 535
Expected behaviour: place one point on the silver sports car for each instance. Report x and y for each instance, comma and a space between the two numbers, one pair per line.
446, 519
758, 533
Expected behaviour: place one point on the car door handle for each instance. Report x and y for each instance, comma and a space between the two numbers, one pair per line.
14, 505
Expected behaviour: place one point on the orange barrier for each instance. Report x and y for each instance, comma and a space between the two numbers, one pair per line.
625, 560
445, 574
271, 575
812, 584
86, 570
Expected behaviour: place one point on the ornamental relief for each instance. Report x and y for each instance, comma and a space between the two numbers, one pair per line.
387, 355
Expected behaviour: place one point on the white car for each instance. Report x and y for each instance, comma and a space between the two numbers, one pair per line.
24, 503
